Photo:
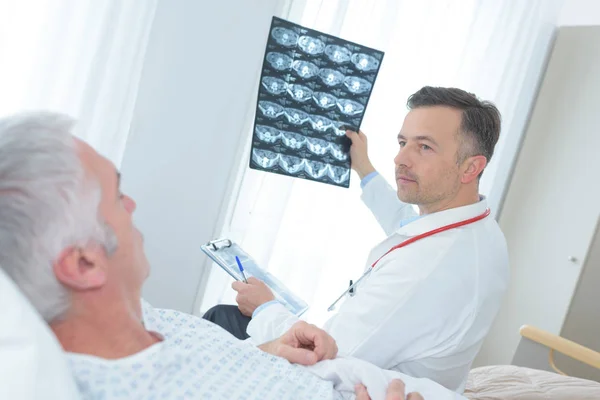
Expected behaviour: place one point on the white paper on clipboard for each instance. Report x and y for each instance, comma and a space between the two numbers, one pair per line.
223, 253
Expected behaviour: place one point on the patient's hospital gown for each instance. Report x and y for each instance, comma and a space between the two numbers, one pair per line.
200, 360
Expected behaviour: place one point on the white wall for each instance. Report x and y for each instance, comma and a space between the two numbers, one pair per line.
582, 324
521, 306
203, 57
580, 12
552, 204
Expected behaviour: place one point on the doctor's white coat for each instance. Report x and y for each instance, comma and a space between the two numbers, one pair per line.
426, 308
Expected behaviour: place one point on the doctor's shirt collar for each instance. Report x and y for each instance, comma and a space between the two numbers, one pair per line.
429, 222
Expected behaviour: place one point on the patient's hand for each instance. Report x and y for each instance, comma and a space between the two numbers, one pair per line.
303, 344
251, 295
395, 391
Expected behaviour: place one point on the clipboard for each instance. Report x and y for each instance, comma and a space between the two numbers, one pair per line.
223, 253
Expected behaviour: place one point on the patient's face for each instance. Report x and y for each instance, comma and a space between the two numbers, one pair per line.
427, 172
127, 267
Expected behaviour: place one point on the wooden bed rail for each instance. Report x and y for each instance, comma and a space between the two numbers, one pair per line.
562, 345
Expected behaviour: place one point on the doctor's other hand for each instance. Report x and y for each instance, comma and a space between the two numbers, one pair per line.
251, 295
359, 157
395, 391
303, 344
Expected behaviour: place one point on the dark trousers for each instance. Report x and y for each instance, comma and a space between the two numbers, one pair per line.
229, 318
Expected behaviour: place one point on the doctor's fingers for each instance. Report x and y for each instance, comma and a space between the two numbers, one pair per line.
252, 283
239, 286
356, 137
395, 390
361, 392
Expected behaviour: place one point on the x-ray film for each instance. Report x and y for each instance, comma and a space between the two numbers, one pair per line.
313, 87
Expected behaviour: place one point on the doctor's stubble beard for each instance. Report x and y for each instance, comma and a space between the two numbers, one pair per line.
421, 193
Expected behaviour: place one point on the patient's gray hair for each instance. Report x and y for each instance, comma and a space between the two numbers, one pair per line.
47, 204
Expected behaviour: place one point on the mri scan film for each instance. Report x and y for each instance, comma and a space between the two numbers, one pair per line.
313, 87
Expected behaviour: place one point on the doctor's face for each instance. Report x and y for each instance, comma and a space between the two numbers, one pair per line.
427, 170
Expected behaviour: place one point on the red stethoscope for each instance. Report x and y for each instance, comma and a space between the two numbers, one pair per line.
406, 243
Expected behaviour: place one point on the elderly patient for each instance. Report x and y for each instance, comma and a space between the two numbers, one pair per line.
67, 239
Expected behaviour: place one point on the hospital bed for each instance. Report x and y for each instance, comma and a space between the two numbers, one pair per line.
534, 374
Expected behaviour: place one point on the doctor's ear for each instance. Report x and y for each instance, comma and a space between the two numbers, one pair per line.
472, 168
81, 269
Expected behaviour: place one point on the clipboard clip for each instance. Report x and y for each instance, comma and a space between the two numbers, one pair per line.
219, 244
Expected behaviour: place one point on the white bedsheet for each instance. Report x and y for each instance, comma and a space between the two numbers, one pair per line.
345, 372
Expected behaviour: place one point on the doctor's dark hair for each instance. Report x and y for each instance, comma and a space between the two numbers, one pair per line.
481, 120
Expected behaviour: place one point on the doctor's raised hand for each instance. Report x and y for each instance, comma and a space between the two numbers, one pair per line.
251, 295
359, 156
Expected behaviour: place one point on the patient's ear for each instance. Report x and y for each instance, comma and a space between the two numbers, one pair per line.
81, 268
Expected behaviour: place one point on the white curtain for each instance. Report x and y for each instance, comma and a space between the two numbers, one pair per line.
80, 57
316, 237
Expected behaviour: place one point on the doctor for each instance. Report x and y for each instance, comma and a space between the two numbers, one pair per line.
437, 281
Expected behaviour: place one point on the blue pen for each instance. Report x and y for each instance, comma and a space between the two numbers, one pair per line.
239, 263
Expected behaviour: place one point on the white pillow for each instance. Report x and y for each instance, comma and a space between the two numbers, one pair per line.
32, 363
